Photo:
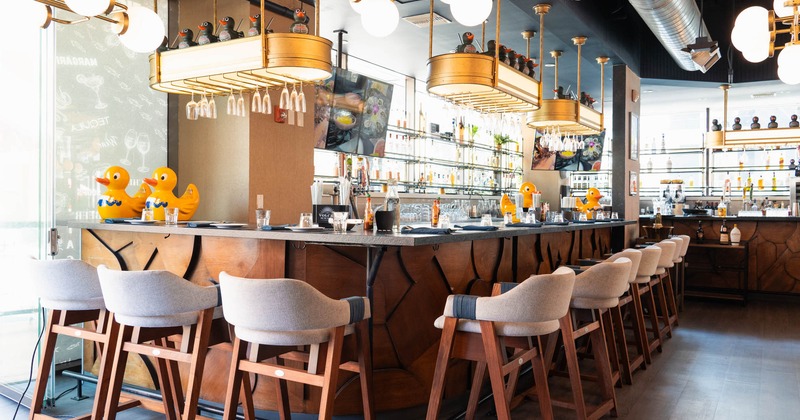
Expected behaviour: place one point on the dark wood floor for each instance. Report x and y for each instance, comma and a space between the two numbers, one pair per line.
725, 361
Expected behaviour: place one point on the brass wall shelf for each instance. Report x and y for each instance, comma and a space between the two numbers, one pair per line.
469, 80
759, 137
244, 64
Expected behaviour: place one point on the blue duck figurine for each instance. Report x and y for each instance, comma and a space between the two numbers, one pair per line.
794, 123
255, 26
773, 122
715, 125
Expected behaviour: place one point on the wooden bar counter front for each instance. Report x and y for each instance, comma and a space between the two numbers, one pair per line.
412, 277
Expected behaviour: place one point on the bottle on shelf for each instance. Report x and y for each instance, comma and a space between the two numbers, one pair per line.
699, 233
649, 164
669, 164
663, 144
657, 222
724, 237
749, 181
435, 213
766, 161
781, 162
774, 182
392, 202
761, 182
727, 185
369, 215
736, 235
739, 181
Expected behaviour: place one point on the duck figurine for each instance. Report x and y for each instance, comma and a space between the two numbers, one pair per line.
508, 206
593, 197
794, 123
530, 65
773, 122
520, 63
511, 57
528, 189
226, 30
255, 26
502, 53
186, 38
164, 181
737, 124
490, 46
715, 125
115, 201
206, 35
468, 38
300, 25
755, 125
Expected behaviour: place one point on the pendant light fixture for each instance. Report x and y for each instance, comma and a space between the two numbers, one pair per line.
145, 30
379, 17
90, 7
755, 32
471, 12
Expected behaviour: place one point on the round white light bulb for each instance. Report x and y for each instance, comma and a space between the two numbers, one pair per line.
34, 14
753, 19
788, 63
788, 75
145, 30
781, 10
90, 7
379, 17
471, 12
358, 6
758, 48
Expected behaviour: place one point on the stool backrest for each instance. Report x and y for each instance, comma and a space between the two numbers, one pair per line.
649, 263
678, 247
153, 293
66, 284
667, 253
632, 254
686, 240
606, 280
280, 305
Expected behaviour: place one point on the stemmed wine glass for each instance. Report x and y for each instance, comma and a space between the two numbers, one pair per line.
266, 103
255, 102
301, 97
285, 97
231, 104
143, 146
130, 143
203, 106
191, 109
240, 109
212, 108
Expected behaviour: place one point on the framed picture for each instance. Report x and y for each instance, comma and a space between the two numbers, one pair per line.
634, 136
633, 185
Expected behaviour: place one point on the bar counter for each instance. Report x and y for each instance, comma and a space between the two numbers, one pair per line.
774, 251
407, 277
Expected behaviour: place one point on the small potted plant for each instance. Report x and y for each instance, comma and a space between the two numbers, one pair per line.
501, 139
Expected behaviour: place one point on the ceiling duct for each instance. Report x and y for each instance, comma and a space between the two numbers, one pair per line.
676, 24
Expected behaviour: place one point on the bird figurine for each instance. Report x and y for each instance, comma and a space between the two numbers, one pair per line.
520, 62
528, 189
755, 125
773, 122
206, 35
737, 123
226, 30
560, 93
490, 46
502, 53
593, 197
186, 38
255, 26
530, 65
300, 25
466, 46
511, 57
164, 181
115, 201
508, 206
715, 125
794, 123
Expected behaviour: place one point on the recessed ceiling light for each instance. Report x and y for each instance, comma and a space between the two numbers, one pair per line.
763, 95
549, 64
648, 91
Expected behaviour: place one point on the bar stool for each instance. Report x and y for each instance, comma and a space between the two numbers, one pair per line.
671, 288
275, 316
641, 287
481, 328
618, 349
70, 290
150, 306
597, 289
666, 261
680, 282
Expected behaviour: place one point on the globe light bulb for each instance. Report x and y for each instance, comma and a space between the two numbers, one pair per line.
781, 10
758, 48
90, 7
145, 30
788, 63
754, 19
34, 14
471, 12
379, 17
358, 6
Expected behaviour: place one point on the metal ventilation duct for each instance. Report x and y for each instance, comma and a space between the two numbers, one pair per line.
676, 24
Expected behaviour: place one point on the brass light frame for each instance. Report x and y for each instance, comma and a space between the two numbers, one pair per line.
244, 64
569, 115
479, 81
742, 138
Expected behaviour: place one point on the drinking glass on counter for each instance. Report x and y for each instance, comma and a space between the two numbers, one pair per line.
306, 220
530, 217
147, 214
486, 220
508, 218
600, 215
262, 218
340, 222
614, 215
581, 217
444, 222
171, 216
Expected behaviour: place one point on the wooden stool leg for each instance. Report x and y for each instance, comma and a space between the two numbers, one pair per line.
106, 363
662, 302
117, 372
603, 365
671, 303
443, 358
167, 396
333, 358
247, 398
622, 345
199, 350
494, 364
640, 327
540, 382
238, 352
365, 369
48, 348
174, 377
571, 354
651, 305
475, 390
611, 345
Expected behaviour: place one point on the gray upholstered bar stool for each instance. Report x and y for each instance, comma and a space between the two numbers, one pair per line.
615, 329
669, 249
680, 272
70, 290
641, 287
482, 328
670, 286
275, 316
148, 307
597, 290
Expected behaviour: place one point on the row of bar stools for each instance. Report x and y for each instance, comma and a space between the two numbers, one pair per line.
482, 328
615, 330
641, 295
71, 292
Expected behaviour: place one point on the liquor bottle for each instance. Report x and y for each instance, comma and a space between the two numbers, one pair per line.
649, 164
435, 213
780, 161
766, 161
700, 234
736, 235
657, 223
739, 181
774, 182
369, 215
727, 188
669, 164
724, 237
392, 202
663, 144
761, 182
749, 181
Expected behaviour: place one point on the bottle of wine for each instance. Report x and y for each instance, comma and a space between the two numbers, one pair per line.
724, 237
736, 235
774, 182
700, 234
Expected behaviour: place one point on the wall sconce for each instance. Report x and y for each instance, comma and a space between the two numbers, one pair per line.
755, 32
378, 17
139, 28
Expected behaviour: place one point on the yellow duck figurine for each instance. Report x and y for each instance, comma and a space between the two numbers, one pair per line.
508, 206
593, 197
115, 201
528, 189
164, 181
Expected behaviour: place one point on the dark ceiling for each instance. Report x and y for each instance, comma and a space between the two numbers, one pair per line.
614, 29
